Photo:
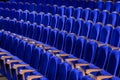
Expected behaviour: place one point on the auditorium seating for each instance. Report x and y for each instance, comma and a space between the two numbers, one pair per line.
60, 40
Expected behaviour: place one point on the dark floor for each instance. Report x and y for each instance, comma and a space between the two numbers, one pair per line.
2, 78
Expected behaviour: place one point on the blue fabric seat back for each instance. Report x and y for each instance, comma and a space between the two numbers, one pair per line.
77, 12
53, 9
18, 14
69, 24
61, 39
93, 15
112, 18
45, 34
25, 28
61, 10
86, 29
77, 26
31, 16
103, 16
115, 39
70, 43
116, 6
31, 7
47, 8
38, 32
95, 32
75, 75
105, 33
108, 5
90, 51
99, 5
28, 52
53, 37
61, 22
54, 20
85, 14
69, 11
63, 71
46, 19
53, 68
36, 57
79, 46
39, 17
21, 49
113, 62
24, 15
12, 13
102, 56
91, 4
44, 63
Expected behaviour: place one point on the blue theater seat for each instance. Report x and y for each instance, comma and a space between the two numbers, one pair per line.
95, 31
61, 22
69, 24
114, 37
103, 16
77, 12
31, 16
24, 15
18, 14
99, 5
39, 17
108, 5
77, 26
112, 18
93, 15
86, 29
54, 20
69, 11
105, 33
61, 10
116, 6
54, 9
91, 4
85, 14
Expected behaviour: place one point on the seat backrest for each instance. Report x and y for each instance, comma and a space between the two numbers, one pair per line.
24, 15
115, 39
54, 9
69, 11
79, 46
105, 33
77, 12
39, 17
31, 16
108, 5
91, 4
61, 10
90, 51
61, 39
116, 6
85, 14
113, 62
61, 22
86, 29
94, 15
103, 16
95, 32
77, 26
54, 20
112, 18
69, 24
102, 56
99, 5
45, 34
69, 43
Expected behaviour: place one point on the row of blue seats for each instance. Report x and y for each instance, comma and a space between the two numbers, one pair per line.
33, 6
86, 14
77, 59
104, 33
108, 5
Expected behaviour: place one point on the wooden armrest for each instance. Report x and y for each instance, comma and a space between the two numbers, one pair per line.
47, 47
62, 55
88, 71
72, 65
80, 65
22, 72
5, 57
19, 65
71, 59
1, 53
12, 61
103, 77
33, 77
53, 51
